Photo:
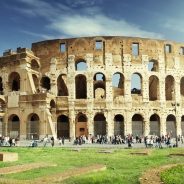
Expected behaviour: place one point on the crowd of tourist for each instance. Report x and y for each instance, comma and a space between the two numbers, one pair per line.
149, 141
129, 140
8, 141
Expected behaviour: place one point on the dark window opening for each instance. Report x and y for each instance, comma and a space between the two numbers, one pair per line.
45, 82
181, 50
168, 48
1, 86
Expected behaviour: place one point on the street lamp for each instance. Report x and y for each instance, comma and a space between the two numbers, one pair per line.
175, 105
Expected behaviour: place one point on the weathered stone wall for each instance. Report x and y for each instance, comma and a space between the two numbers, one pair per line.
79, 93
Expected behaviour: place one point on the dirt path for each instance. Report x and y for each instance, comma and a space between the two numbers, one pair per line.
25, 167
152, 176
57, 177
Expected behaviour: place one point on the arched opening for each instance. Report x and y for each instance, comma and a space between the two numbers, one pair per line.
169, 87
80, 87
1, 86
61, 86
14, 126
153, 88
182, 125
45, 83
153, 65
33, 126
14, 81
52, 104
63, 128
137, 125
155, 125
2, 105
136, 83
118, 84
81, 125
119, 125
99, 86
99, 125
182, 87
80, 65
35, 65
171, 125
36, 82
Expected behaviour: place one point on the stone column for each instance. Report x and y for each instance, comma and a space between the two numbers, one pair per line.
127, 77
146, 125
90, 123
72, 123
178, 125
128, 123
109, 127
162, 125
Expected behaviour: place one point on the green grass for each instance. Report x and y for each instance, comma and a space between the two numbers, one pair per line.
174, 175
122, 167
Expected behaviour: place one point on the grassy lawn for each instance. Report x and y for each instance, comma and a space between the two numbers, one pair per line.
122, 167
174, 175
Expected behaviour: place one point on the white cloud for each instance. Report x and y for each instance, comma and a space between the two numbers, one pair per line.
90, 21
78, 25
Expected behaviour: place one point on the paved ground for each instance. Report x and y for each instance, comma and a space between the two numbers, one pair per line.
71, 145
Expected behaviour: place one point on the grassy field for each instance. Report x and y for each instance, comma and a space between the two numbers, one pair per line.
122, 167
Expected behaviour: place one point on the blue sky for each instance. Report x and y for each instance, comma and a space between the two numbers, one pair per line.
25, 21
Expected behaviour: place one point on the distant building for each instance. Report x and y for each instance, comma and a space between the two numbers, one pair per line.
85, 86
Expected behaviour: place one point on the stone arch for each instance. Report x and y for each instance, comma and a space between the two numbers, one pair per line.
81, 125
63, 126
137, 125
169, 87
171, 125
136, 83
182, 125
35, 65
153, 65
45, 82
36, 82
2, 105
99, 124
182, 86
119, 125
1, 86
153, 88
80, 65
81, 86
154, 125
118, 84
99, 83
33, 126
14, 81
61, 85
13, 126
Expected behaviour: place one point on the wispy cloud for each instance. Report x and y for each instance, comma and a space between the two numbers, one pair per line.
44, 36
90, 21
174, 24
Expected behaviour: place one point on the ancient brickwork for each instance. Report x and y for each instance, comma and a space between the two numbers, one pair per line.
93, 86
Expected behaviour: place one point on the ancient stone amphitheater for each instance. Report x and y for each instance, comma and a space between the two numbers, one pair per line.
93, 86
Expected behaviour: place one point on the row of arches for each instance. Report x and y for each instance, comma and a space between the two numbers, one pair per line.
100, 125
99, 83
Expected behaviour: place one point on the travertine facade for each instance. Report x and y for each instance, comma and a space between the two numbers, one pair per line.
86, 86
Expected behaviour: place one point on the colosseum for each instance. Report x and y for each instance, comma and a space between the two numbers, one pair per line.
93, 86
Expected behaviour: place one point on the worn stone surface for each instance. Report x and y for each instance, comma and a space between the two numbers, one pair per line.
8, 157
45, 91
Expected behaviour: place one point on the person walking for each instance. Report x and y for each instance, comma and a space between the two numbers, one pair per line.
52, 141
